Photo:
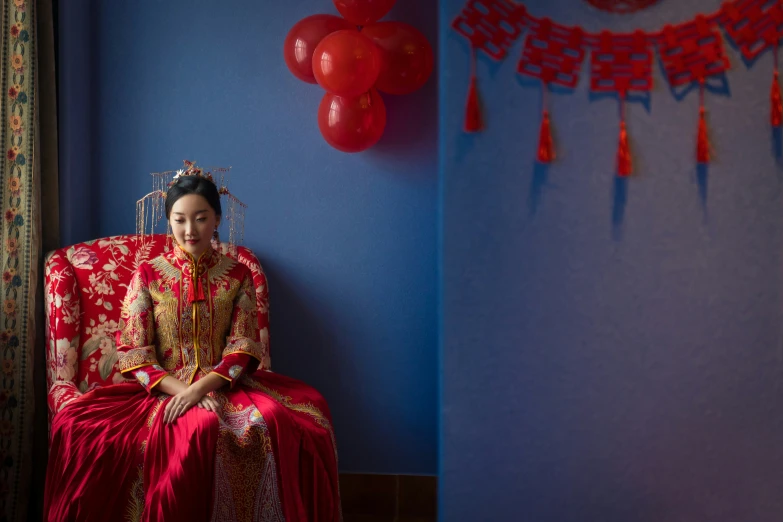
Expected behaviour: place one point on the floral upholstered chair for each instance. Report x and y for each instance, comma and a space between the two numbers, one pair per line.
85, 287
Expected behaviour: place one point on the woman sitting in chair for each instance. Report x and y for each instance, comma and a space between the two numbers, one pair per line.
202, 435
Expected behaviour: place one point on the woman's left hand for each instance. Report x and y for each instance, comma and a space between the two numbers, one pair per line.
210, 404
181, 403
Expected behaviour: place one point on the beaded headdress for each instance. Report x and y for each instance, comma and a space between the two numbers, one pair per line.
152, 207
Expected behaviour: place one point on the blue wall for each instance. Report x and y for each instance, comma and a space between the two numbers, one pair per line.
76, 88
348, 241
610, 351
609, 357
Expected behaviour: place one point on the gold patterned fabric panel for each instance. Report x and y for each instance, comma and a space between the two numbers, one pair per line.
245, 459
223, 311
167, 272
136, 347
244, 330
220, 271
189, 337
206, 352
187, 362
137, 357
166, 304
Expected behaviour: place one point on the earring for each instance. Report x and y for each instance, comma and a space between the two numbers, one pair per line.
216, 240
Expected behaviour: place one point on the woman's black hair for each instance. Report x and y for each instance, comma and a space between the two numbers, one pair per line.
193, 185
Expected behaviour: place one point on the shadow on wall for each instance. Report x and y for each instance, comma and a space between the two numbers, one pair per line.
410, 130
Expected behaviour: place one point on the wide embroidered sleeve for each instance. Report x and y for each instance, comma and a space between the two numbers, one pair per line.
136, 334
244, 345
233, 366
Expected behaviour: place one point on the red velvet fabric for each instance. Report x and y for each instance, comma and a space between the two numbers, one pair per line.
96, 456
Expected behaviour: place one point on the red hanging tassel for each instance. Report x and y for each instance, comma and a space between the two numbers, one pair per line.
624, 166
473, 109
193, 294
703, 144
546, 150
200, 296
776, 112
776, 106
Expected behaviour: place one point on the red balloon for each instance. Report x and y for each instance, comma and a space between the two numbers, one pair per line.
352, 124
363, 12
346, 63
302, 39
406, 56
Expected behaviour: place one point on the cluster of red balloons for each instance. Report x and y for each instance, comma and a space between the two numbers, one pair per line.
353, 58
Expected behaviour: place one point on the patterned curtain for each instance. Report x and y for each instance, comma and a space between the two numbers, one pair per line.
21, 252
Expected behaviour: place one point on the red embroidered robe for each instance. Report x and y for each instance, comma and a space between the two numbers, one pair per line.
272, 455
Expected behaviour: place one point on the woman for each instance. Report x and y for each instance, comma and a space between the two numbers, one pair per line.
205, 436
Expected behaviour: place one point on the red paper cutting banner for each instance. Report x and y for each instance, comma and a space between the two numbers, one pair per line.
754, 25
553, 53
691, 52
491, 25
621, 63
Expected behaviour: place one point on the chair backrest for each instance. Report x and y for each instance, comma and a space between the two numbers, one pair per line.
85, 285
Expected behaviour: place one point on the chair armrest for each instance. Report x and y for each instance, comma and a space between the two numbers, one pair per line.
60, 394
62, 329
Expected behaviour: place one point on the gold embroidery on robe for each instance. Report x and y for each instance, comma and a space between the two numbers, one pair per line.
160, 326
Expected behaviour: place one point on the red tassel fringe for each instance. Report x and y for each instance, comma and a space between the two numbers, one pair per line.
473, 109
546, 150
703, 144
624, 166
776, 109
193, 295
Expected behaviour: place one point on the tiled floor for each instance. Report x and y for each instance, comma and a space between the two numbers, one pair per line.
388, 498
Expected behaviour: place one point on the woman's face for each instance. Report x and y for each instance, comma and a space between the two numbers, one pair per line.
193, 223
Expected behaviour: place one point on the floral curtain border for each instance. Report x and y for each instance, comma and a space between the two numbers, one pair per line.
20, 253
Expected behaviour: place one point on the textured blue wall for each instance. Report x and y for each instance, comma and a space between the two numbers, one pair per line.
76, 87
611, 352
348, 241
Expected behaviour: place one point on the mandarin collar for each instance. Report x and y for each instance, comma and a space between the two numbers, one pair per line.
182, 258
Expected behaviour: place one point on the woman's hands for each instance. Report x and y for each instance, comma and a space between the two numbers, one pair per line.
185, 397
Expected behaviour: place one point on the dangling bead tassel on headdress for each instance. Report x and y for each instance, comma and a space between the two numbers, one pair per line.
702, 142
624, 166
236, 221
546, 150
776, 105
473, 107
